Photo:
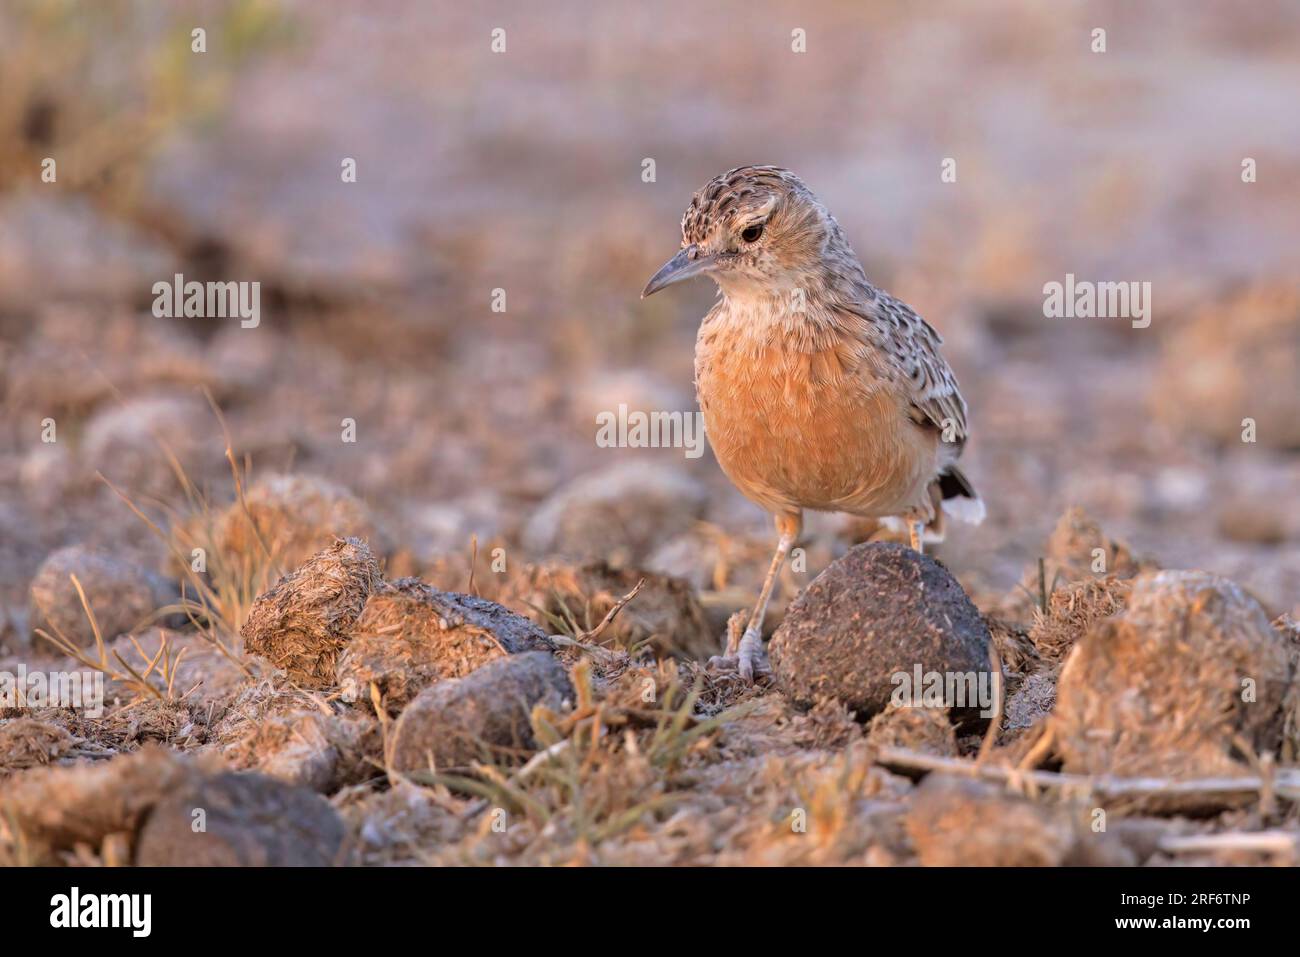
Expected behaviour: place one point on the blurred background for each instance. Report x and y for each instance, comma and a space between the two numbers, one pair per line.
522, 171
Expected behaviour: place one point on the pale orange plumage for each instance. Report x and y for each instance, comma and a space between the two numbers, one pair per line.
818, 390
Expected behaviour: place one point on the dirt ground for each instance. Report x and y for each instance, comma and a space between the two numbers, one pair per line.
388, 400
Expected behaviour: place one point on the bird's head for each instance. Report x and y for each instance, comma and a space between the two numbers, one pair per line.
752, 230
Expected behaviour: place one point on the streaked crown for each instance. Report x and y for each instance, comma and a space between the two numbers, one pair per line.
761, 225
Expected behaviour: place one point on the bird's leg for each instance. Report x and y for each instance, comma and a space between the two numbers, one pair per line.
747, 655
914, 529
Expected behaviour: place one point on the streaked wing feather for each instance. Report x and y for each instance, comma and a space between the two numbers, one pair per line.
910, 347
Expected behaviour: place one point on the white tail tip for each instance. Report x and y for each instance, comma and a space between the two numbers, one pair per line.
965, 509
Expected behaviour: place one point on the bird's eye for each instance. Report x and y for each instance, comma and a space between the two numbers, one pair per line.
752, 233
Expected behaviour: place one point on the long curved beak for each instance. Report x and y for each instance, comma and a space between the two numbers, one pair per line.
687, 263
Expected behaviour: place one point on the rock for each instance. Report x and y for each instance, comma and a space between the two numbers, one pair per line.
56, 809
293, 748
131, 441
303, 623
83, 354
637, 388
727, 571
309, 749
296, 516
1238, 358
1165, 687
410, 635
1253, 520
47, 474
434, 530
621, 513
958, 822
879, 611
120, 593
694, 557
79, 252
249, 820
453, 723
1030, 703
665, 614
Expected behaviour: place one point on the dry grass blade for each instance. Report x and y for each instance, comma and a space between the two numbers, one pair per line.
995, 722
594, 633
129, 676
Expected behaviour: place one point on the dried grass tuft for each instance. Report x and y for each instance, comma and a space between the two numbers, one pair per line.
302, 624
1071, 611
292, 517
28, 742
666, 617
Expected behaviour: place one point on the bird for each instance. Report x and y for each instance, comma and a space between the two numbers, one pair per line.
819, 390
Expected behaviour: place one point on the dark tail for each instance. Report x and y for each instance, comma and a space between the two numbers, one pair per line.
959, 498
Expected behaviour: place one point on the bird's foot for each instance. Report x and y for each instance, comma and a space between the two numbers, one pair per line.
749, 658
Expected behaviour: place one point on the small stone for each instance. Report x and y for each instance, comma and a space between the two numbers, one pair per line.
954, 822
1237, 359
959, 822
928, 730
121, 594
241, 820
1030, 703
306, 748
881, 611
1252, 520
410, 635
57, 808
132, 442
620, 514
485, 715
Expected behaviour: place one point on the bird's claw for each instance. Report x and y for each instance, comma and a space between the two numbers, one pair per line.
749, 659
